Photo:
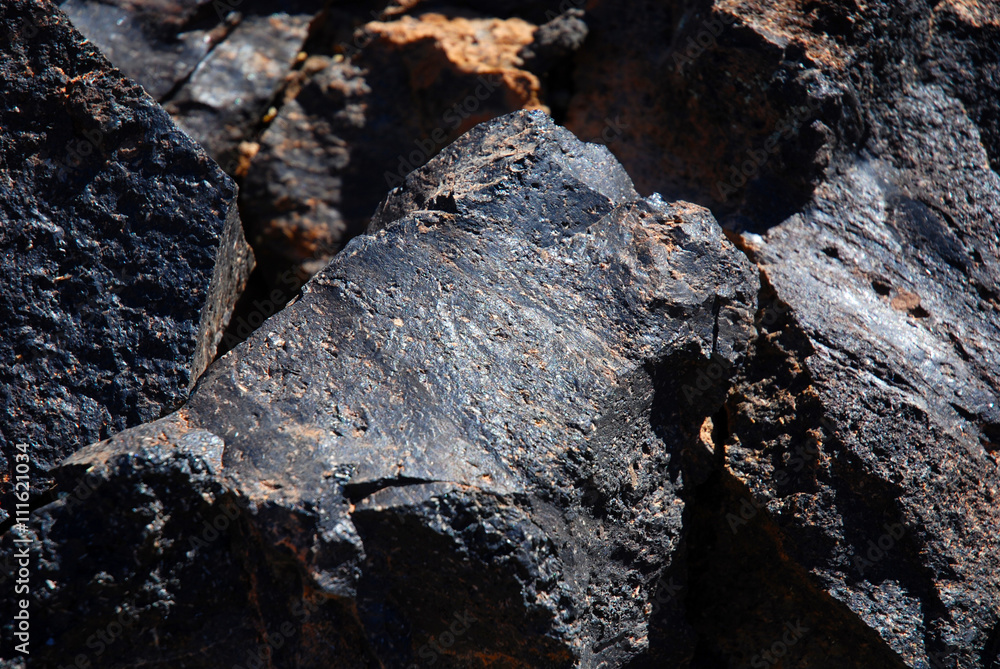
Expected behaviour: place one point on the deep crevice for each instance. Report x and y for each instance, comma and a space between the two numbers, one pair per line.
356, 492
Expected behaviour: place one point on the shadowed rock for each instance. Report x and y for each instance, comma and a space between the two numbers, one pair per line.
888, 292
463, 441
852, 144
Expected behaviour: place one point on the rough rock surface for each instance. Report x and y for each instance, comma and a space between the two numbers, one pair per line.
234, 86
837, 512
851, 145
471, 423
301, 102
121, 249
157, 44
891, 285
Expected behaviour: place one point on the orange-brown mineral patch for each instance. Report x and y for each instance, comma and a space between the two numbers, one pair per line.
464, 46
784, 21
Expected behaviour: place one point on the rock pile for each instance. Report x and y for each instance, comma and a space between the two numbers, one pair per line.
531, 414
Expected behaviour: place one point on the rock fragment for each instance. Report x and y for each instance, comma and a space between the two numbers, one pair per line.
122, 255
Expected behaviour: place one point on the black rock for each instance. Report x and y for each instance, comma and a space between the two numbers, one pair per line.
555, 40
878, 463
229, 93
122, 250
853, 146
216, 65
461, 445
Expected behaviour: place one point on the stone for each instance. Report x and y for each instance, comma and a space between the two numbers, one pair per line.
122, 255
343, 139
831, 485
849, 149
889, 286
232, 88
464, 442
216, 65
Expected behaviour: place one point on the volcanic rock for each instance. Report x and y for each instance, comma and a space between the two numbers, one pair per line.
157, 44
122, 250
850, 146
465, 441
216, 65
331, 154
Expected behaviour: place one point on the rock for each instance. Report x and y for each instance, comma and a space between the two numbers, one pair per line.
848, 148
963, 60
305, 193
890, 283
122, 248
462, 71
465, 443
555, 40
216, 65
836, 511
551, 55
233, 86
757, 160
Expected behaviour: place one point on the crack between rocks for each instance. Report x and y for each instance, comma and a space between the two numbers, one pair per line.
229, 27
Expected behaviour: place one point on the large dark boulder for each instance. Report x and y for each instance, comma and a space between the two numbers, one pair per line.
850, 148
467, 443
890, 284
121, 248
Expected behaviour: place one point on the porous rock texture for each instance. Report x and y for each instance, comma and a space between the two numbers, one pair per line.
471, 423
300, 102
216, 65
121, 248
